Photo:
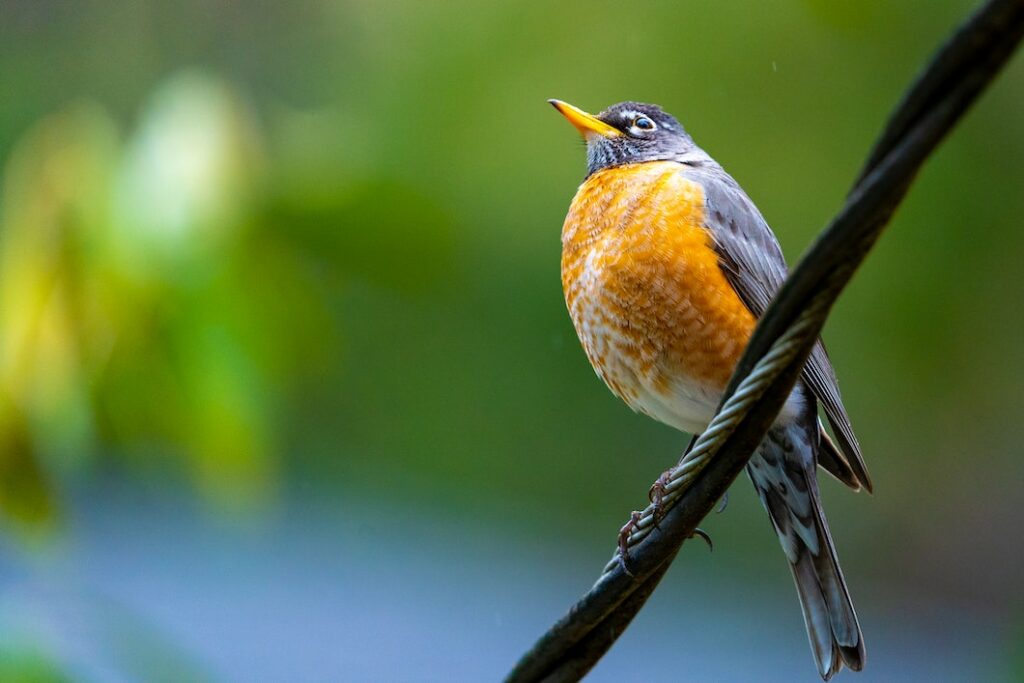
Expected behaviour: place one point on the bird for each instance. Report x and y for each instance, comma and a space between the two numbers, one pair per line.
666, 266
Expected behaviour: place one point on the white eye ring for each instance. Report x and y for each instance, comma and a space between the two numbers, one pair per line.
643, 124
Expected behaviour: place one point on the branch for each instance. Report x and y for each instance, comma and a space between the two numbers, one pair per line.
784, 336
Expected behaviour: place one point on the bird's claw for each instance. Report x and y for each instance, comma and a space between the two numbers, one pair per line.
656, 495
624, 533
723, 503
705, 537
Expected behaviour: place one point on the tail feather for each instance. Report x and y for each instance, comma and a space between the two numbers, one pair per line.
783, 473
816, 618
831, 620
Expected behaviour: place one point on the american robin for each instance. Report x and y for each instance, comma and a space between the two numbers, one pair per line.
666, 265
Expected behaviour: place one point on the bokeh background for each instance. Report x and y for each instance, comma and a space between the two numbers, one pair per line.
287, 387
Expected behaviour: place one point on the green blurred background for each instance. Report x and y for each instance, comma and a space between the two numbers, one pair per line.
287, 386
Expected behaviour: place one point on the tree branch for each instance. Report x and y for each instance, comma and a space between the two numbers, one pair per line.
953, 79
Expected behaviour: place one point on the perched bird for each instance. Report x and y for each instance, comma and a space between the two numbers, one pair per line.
666, 265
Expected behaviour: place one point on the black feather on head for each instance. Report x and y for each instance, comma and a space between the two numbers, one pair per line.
648, 133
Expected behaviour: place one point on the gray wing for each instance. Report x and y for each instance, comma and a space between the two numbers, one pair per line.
752, 261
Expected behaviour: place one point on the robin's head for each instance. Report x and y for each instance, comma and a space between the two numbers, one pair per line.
627, 133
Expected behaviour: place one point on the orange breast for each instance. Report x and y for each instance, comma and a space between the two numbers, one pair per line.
644, 288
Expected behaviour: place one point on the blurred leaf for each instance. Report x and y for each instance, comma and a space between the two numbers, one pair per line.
187, 179
53, 185
228, 427
138, 308
26, 497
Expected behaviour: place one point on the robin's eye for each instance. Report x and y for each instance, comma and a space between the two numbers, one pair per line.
643, 123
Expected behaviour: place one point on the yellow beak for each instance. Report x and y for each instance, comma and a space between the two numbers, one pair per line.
586, 124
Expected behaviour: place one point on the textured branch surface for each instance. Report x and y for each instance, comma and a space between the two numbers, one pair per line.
773, 359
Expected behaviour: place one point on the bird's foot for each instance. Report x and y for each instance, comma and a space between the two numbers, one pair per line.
723, 503
624, 533
656, 495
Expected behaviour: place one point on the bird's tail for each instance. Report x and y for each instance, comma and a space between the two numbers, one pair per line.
831, 621
783, 473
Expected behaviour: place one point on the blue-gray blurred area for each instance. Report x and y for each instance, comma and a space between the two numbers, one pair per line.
287, 387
